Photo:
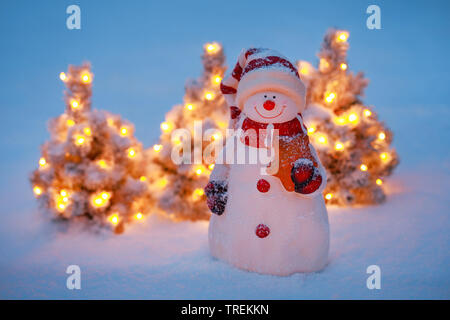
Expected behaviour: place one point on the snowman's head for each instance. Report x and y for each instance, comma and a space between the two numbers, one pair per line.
270, 107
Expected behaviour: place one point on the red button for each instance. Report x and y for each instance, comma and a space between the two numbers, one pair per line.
262, 230
263, 186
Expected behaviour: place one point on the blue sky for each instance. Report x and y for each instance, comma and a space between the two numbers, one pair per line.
142, 52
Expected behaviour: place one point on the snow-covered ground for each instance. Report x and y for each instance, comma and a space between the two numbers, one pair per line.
407, 237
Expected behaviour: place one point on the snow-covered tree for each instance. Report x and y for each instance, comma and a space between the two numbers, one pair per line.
92, 168
178, 188
353, 145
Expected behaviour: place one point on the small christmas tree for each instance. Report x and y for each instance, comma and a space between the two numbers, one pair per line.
178, 188
93, 168
353, 145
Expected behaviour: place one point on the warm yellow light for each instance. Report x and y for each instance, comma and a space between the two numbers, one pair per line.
100, 199
42, 162
339, 146
61, 207
63, 193
114, 218
189, 106
311, 129
222, 124
322, 139
197, 194
342, 36
304, 68
70, 122
343, 66
384, 156
123, 131
165, 126
209, 95
102, 164
143, 178
87, 131
381, 136
353, 118
379, 182
139, 216
162, 182
328, 196
198, 170
79, 139
75, 104
37, 191
63, 76
340, 121
157, 147
363, 167
212, 48
85, 77
330, 97
131, 153
211, 166
367, 113
216, 136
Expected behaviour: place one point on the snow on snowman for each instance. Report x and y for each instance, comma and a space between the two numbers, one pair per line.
268, 221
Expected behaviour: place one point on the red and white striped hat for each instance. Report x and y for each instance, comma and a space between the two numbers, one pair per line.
258, 70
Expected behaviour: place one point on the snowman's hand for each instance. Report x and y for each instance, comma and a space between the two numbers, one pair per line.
306, 176
217, 196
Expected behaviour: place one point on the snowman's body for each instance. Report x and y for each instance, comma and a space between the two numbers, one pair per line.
298, 239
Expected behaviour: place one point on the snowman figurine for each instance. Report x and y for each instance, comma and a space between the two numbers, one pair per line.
268, 221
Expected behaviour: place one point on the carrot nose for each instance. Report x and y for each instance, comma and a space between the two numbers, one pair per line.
269, 105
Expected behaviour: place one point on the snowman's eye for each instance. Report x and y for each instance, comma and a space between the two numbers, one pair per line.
274, 97
265, 96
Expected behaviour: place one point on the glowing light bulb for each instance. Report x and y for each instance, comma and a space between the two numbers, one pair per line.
367, 113
162, 182
102, 164
363, 167
342, 36
63, 76
63, 193
100, 199
42, 162
340, 121
311, 129
198, 170
343, 66
217, 79
339, 146
189, 106
143, 178
379, 182
61, 207
37, 191
86, 77
123, 131
216, 136
165, 126
139, 216
211, 166
322, 139
87, 131
328, 196
114, 218
330, 97
353, 118
157, 147
131, 153
209, 95
381, 136
75, 104
79, 139
212, 48
70, 122
197, 194
384, 156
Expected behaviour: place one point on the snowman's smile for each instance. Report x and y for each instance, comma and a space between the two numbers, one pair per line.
265, 117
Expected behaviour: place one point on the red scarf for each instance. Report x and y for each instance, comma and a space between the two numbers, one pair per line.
290, 128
